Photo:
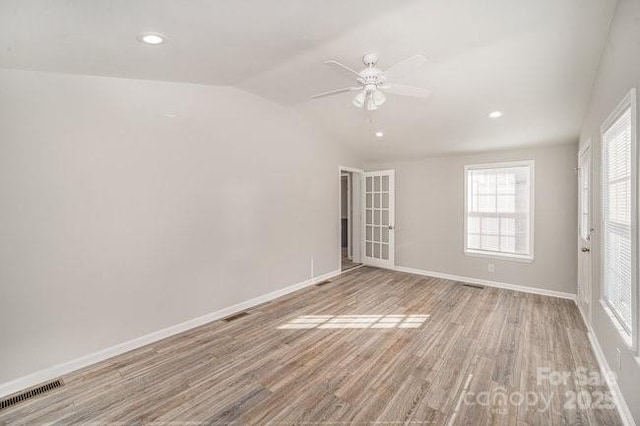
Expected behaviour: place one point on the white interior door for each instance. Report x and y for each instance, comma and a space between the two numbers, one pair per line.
379, 219
585, 230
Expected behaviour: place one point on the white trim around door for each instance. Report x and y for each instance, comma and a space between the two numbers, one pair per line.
357, 213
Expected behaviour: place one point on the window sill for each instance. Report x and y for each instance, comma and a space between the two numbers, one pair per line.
626, 337
500, 256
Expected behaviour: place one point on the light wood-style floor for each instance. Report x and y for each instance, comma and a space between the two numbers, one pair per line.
347, 263
371, 347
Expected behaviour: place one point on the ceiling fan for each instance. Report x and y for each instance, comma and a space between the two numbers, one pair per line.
372, 81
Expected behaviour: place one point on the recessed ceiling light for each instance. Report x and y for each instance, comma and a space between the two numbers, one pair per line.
495, 114
379, 134
152, 38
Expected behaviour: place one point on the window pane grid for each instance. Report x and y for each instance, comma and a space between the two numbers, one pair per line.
585, 208
498, 200
377, 217
617, 205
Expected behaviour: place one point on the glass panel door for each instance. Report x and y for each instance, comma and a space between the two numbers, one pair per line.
379, 215
584, 235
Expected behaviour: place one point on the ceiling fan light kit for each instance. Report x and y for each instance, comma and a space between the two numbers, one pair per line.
370, 100
372, 81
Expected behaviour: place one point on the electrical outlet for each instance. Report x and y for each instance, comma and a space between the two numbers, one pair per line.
619, 359
491, 267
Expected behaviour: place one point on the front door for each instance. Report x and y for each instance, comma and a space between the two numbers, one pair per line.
584, 232
379, 219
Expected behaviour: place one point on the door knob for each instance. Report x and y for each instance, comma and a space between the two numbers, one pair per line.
585, 249
391, 227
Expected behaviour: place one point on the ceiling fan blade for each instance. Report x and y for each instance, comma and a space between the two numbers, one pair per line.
403, 90
343, 69
335, 92
404, 67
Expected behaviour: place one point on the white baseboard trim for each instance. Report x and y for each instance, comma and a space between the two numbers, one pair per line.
87, 360
487, 283
616, 393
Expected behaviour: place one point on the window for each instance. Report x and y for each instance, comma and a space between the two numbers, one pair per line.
618, 213
499, 210
584, 186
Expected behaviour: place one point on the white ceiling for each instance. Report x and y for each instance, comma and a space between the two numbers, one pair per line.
533, 60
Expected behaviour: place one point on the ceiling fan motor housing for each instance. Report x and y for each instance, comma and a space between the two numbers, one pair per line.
371, 77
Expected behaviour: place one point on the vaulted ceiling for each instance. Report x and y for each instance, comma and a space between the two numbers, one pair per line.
533, 60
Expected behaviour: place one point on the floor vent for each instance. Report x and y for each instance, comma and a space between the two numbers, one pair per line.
325, 282
31, 393
473, 286
235, 316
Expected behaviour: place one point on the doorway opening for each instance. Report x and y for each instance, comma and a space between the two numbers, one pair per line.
350, 218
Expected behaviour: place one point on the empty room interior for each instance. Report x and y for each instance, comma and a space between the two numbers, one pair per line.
347, 212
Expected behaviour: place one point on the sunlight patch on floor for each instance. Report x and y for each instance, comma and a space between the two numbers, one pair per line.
355, 321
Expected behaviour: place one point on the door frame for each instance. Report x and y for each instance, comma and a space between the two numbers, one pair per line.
349, 177
589, 313
357, 205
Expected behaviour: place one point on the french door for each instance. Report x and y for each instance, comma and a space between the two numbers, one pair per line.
379, 229
584, 232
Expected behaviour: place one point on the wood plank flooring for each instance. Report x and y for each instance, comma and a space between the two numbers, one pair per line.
371, 347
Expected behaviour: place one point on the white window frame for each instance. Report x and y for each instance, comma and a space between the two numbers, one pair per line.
532, 178
629, 337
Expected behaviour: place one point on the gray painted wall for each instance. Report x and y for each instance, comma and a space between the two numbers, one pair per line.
619, 72
118, 221
430, 218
